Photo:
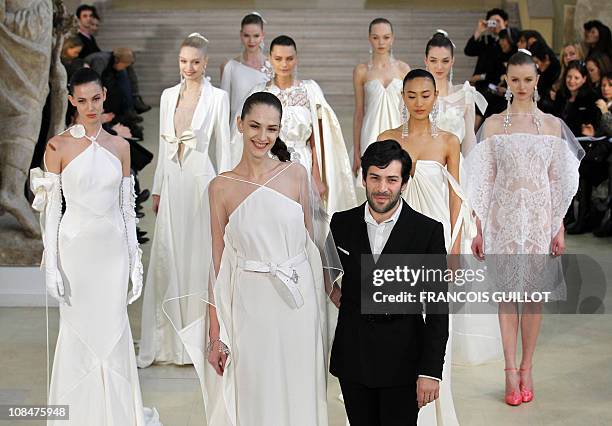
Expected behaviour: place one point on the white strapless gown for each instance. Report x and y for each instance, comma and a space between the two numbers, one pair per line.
381, 112
427, 193
94, 369
381, 109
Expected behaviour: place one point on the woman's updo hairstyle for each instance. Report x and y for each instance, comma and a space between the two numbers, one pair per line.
419, 73
197, 41
522, 57
440, 39
283, 40
83, 76
379, 21
265, 98
252, 18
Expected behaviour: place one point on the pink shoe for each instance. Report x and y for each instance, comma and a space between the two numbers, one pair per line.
513, 398
526, 393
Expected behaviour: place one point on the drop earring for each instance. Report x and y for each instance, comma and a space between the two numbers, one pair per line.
507, 118
450, 77
433, 118
404, 113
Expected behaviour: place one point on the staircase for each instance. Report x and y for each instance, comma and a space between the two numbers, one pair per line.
330, 42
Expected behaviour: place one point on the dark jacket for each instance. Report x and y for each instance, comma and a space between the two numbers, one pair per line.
393, 352
102, 63
582, 111
89, 45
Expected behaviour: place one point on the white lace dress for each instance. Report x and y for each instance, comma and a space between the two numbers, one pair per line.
521, 180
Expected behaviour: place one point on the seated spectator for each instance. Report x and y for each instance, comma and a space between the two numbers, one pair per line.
597, 38
605, 106
575, 100
597, 65
70, 55
570, 52
86, 14
528, 37
549, 69
490, 64
507, 42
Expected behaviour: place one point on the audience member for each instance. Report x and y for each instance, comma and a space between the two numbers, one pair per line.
597, 64
85, 15
489, 66
597, 38
549, 69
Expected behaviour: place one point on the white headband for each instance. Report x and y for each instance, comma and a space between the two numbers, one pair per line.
445, 34
258, 14
525, 51
198, 35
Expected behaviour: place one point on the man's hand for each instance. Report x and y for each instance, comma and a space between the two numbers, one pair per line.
428, 390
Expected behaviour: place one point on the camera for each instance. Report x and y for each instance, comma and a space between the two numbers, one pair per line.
491, 23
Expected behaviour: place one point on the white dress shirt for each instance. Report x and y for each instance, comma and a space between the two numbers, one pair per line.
378, 234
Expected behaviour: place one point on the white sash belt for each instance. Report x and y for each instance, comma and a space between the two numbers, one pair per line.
285, 272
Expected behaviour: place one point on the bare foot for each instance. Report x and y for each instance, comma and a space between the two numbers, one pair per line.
21, 210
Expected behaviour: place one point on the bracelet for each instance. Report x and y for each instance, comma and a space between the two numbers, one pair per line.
222, 346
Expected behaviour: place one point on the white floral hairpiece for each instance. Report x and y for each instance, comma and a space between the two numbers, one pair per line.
198, 35
258, 14
525, 51
445, 34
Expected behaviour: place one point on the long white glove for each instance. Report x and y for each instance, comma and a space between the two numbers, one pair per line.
47, 188
128, 206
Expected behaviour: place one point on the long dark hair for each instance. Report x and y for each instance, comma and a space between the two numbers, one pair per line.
579, 66
265, 98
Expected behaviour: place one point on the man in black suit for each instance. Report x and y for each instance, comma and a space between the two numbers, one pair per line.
389, 366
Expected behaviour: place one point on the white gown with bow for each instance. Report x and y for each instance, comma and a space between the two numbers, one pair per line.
269, 294
174, 267
94, 367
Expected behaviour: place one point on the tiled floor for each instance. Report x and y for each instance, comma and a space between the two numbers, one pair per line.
573, 363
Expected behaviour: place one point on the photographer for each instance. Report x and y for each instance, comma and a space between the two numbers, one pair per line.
484, 44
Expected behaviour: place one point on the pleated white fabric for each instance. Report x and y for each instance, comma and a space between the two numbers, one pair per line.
94, 369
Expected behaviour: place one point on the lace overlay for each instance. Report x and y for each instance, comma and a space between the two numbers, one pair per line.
520, 185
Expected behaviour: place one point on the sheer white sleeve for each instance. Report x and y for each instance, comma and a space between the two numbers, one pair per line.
128, 204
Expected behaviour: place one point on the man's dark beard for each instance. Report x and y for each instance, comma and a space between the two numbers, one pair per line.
391, 204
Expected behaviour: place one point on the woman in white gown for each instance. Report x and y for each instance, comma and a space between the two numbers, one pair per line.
522, 176
378, 92
91, 252
265, 326
310, 129
434, 191
476, 337
241, 74
193, 116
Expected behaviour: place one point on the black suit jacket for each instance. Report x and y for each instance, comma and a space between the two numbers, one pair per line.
89, 45
386, 353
